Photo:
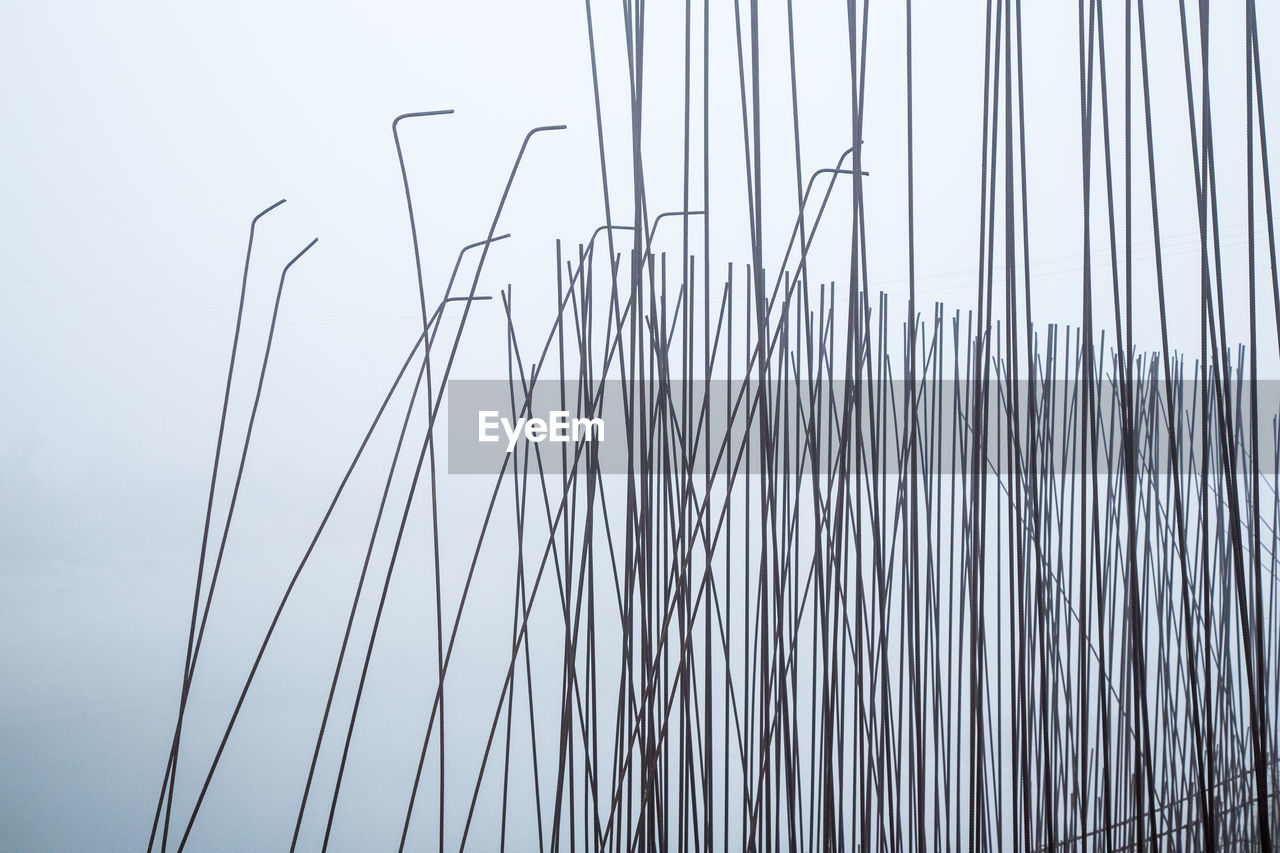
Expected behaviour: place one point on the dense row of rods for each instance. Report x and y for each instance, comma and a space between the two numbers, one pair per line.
962, 581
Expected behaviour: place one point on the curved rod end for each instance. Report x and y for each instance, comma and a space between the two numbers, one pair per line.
424, 114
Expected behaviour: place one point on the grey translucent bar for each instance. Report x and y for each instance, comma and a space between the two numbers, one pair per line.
723, 427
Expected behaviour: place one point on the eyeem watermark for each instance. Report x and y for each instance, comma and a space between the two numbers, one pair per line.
715, 429
558, 427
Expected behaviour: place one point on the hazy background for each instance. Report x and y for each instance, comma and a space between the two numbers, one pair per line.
140, 138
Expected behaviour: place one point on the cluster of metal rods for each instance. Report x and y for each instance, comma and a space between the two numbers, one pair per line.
969, 582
